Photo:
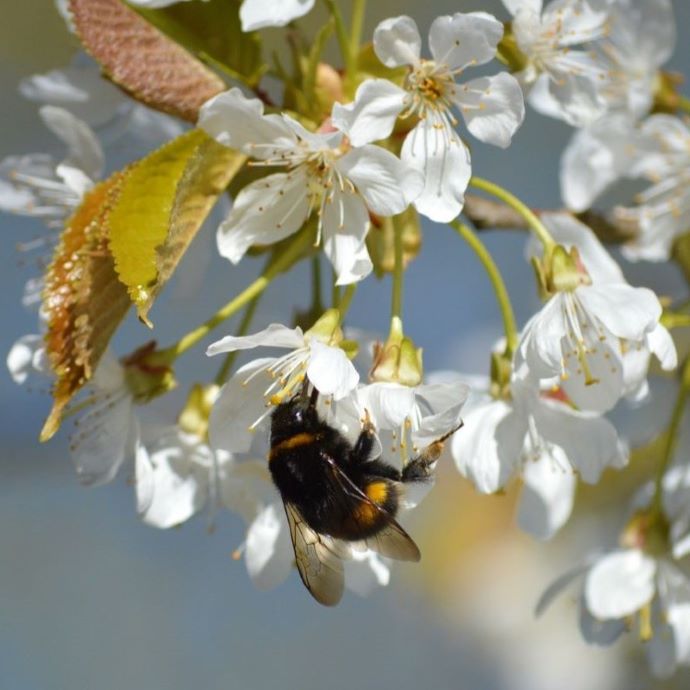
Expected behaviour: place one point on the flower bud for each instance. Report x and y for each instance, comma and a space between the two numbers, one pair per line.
647, 530
397, 360
146, 376
195, 414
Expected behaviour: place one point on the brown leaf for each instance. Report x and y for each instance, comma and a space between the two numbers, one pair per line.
83, 298
142, 60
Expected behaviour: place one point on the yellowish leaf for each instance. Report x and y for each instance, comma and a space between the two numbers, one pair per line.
161, 206
83, 299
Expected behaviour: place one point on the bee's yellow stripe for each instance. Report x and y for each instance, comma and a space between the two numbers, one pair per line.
303, 439
377, 492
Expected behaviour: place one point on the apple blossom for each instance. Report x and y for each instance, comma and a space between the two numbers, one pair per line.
560, 81
663, 209
541, 438
492, 107
592, 316
343, 186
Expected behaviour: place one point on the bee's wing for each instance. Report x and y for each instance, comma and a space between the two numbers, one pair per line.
391, 540
319, 559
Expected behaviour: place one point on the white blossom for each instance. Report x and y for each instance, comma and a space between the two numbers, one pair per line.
341, 185
663, 209
560, 80
254, 14
541, 438
492, 107
35, 185
107, 434
581, 333
246, 400
641, 37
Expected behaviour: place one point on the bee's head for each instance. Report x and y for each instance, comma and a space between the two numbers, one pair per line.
293, 417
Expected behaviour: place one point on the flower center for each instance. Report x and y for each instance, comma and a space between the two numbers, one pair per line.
431, 87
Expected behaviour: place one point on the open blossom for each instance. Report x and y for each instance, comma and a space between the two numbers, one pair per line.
342, 185
37, 185
492, 107
246, 400
542, 439
663, 209
642, 584
81, 89
581, 333
408, 420
640, 39
561, 81
597, 156
254, 14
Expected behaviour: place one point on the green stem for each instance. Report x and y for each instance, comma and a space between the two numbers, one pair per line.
343, 38
346, 299
509, 324
671, 437
359, 8
316, 300
289, 256
683, 103
398, 273
226, 366
511, 200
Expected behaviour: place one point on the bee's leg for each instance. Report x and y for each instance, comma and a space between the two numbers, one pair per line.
421, 467
365, 442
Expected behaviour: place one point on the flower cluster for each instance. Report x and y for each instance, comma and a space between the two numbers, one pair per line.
355, 162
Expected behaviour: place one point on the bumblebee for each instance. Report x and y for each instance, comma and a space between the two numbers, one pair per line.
336, 497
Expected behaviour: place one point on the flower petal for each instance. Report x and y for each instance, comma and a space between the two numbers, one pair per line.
372, 115
177, 478
265, 212
548, 494
437, 151
661, 344
493, 107
397, 42
627, 312
620, 584
386, 183
330, 370
239, 405
274, 335
268, 553
598, 632
589, 442
84, 151
345, 224
258, 14
25, 357
365, 571
239, 122
106, 437
489, 445
460, 40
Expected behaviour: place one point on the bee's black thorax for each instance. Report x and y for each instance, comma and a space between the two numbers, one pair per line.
303, 451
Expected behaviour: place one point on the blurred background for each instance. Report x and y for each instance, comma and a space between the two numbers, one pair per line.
91, 598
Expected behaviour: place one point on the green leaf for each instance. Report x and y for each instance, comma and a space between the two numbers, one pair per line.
161, 206
213, 32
